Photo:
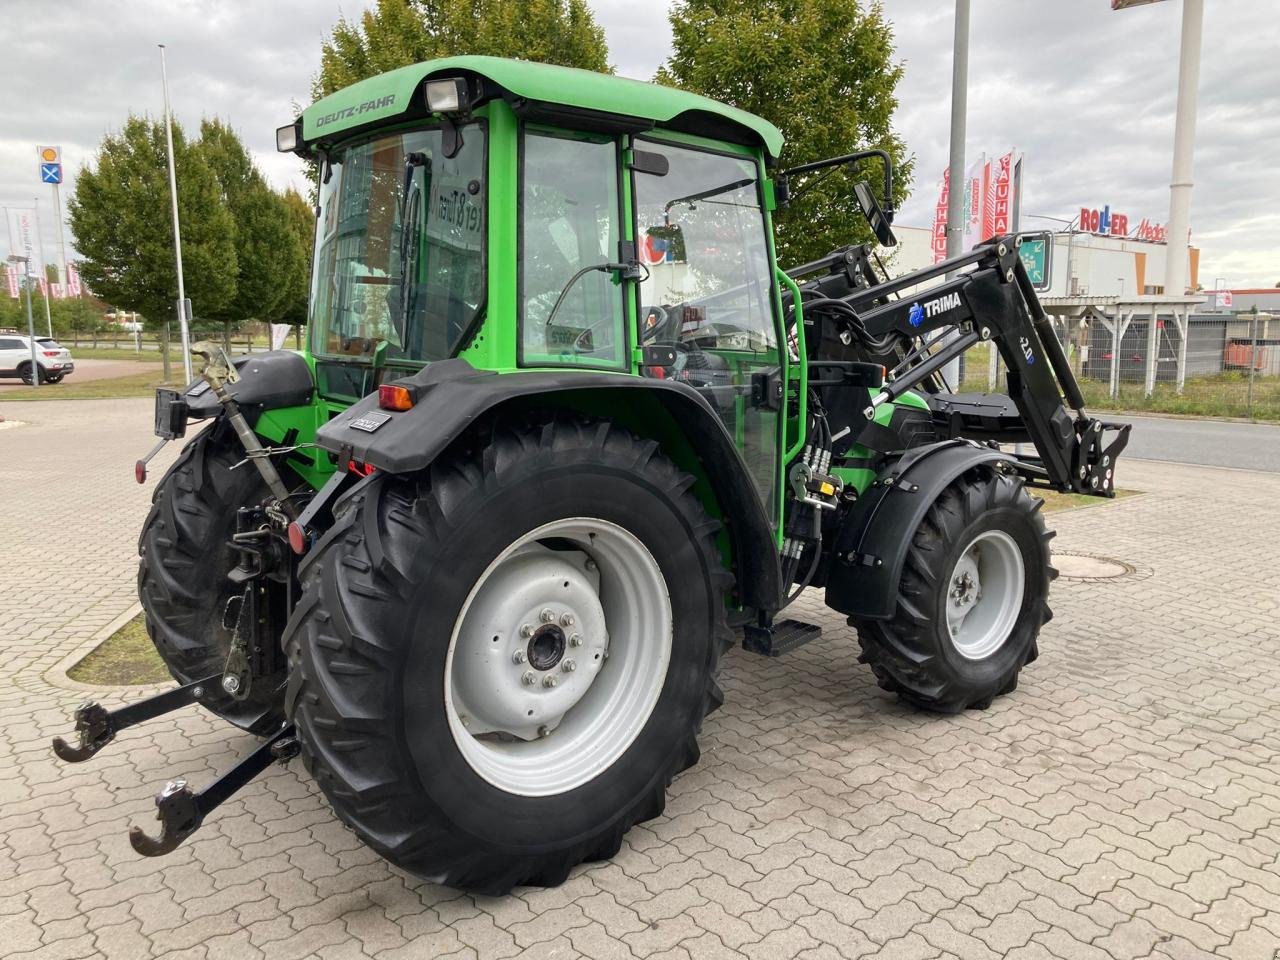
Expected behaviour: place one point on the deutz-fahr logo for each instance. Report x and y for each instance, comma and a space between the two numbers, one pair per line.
378, 104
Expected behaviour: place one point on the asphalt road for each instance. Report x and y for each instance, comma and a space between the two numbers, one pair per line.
1215, 443
85, 371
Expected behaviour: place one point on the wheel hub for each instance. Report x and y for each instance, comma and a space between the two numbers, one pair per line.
558, 656
979, 620
546, 647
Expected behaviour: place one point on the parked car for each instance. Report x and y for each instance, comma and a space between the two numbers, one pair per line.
52, 357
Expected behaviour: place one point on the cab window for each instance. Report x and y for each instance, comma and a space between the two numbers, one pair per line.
701, 233
571, 309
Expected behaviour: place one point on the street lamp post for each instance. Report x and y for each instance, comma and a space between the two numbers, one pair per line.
177, 235
31, 324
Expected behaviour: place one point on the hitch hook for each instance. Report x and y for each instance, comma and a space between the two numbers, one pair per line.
97, 726
181, 811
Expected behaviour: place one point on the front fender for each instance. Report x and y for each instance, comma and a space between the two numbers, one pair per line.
872, 543
452, 395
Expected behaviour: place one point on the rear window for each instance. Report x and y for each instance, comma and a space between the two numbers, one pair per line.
49, 344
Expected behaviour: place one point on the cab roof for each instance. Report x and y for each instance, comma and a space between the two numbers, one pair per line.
576, 98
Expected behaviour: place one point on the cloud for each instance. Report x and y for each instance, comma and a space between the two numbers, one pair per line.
1086, 93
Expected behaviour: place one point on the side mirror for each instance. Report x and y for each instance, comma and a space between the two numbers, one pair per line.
878, 222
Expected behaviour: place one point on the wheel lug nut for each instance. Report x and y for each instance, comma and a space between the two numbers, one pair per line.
529, 678
566, 620
526, 630
546, 616
568, 666
519, 657
549, 680
575, 640
231, 683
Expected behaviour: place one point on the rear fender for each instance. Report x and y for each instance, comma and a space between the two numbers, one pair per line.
268, 381
871, 544
453, 396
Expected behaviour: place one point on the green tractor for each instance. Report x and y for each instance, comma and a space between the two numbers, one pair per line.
561, 434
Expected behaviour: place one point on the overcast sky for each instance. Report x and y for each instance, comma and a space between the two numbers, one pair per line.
1086, 93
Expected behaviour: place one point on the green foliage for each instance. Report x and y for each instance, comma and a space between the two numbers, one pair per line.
396, 33
823, 72
302, 228
121, 223
83, 315
266, 250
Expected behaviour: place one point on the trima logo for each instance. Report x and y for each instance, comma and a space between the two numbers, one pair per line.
941, 305
915, 316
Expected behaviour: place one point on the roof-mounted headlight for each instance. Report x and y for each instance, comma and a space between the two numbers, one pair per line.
447, 96
287, 138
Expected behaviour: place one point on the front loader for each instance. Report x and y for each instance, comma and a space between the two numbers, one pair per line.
561, 434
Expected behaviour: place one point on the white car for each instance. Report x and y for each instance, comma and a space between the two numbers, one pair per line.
52, 357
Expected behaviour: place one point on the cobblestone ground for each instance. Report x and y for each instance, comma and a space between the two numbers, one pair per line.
1124, 802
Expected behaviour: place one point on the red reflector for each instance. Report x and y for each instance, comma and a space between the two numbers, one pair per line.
659, 373
360, 469
140, 471
297, 538
392, 397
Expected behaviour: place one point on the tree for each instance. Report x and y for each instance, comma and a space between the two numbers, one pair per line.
823, 72
265, 251
396, 33
302, 227
121, 223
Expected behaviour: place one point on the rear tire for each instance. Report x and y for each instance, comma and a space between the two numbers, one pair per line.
25, 372
184, 558
380, 642
950, 646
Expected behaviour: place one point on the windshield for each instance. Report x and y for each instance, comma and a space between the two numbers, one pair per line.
400, 247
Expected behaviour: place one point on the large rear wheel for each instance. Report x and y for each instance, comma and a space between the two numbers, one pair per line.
185, 555
498, 666
971, 600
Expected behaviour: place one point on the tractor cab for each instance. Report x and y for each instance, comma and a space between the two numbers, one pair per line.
522, 216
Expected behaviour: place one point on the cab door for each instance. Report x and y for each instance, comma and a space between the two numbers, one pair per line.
702, 236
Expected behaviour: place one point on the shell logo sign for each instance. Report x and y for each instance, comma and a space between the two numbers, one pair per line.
50, 155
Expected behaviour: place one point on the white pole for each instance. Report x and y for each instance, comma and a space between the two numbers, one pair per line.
955, 192
177, 233
48, 290
1184, 138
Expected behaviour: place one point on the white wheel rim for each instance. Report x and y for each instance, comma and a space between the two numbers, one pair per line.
984, 594
583, 639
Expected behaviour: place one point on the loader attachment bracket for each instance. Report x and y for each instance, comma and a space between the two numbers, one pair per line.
96, 726
181, 810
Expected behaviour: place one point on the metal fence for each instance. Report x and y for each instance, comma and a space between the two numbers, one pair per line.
1231, 366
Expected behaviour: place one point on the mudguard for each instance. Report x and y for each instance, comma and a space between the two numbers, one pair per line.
268, 381
451, 395
872, 542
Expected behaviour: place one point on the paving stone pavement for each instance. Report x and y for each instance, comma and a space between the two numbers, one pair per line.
1124, 802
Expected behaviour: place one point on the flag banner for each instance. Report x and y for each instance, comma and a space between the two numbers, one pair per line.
279, 333
11, 275
987, 207
24, 241
59, 291
73, 280
44, 287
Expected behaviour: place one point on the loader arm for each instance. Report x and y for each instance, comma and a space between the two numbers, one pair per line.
989, 297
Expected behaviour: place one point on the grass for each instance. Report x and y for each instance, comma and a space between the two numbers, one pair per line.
134, 385
127, 657
1055, 501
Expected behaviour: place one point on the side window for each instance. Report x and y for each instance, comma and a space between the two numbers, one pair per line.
709, 294
8, 343
569, 223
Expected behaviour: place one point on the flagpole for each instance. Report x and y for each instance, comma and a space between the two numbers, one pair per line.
48, 290
177, 236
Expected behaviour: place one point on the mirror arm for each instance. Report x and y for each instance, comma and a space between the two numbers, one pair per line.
882, 155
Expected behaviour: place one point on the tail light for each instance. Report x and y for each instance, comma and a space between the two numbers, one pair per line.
393, 396
51, 353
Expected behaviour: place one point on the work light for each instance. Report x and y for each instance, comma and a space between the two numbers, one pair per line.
287, 138
446, 96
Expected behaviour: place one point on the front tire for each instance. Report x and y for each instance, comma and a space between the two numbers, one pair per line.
437, 613
972, 598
